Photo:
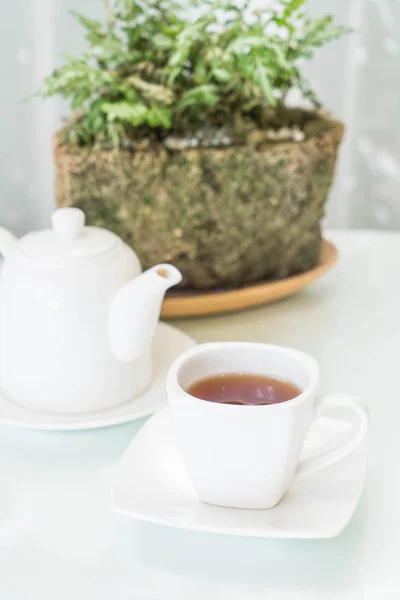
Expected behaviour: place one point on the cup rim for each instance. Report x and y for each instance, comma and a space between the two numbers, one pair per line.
308, 361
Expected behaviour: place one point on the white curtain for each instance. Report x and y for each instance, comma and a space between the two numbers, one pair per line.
357, 78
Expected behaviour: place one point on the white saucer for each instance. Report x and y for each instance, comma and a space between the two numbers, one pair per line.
152, 485
168, 344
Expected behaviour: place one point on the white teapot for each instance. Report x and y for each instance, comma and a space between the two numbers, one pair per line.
76, 317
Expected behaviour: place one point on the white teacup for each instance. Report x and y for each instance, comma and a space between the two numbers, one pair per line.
247, 456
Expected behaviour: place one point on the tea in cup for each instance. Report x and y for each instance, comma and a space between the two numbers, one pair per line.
241, 413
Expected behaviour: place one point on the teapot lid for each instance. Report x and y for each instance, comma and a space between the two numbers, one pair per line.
69, 239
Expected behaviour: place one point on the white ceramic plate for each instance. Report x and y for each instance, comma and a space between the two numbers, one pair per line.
168, 344
152, 485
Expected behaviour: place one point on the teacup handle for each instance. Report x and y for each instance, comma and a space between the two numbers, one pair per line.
343, 407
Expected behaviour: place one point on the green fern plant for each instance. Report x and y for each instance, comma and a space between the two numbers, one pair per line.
151, 68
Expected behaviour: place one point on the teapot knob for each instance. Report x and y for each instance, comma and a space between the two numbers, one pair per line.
68, 223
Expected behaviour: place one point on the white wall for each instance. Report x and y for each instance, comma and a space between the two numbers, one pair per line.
357, 78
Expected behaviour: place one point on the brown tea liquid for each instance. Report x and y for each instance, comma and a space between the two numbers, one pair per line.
247, 389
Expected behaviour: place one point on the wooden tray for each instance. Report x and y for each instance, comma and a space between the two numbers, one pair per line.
194, 303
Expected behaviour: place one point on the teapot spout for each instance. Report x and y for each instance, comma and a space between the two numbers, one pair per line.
135, 311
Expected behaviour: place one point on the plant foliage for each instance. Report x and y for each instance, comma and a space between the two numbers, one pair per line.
152, 67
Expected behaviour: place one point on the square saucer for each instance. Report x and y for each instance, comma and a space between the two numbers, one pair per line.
152, 485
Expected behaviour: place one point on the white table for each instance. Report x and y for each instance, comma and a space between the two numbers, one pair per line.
59, 540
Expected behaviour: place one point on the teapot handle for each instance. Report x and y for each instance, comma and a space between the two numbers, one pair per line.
8, 242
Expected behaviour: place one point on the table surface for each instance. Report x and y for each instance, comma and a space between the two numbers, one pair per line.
59, 539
